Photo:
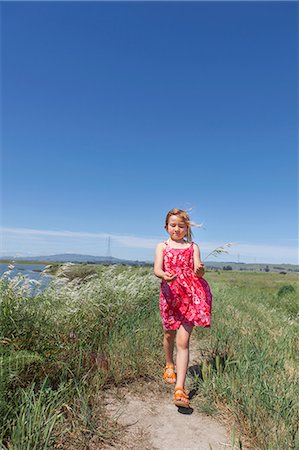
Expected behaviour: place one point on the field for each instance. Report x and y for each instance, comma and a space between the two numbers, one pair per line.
98, 327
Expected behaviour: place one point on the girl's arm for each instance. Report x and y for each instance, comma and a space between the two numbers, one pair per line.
158, 265
199, 267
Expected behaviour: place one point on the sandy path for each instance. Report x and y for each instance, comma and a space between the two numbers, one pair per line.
152, 422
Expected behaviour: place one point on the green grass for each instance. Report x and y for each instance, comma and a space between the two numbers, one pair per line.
254, 334
61, 348
71, 334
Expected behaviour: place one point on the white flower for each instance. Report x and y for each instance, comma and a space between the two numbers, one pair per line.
34, 282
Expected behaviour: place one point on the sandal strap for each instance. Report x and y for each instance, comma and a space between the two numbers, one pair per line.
168, 374
177, 396
183, 393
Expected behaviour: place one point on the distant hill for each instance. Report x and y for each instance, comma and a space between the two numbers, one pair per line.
75, 258
211, 265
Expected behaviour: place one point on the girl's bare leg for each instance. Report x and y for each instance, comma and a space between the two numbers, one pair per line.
169, 336
182, 356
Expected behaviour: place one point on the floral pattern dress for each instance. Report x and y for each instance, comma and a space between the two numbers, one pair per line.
187, 299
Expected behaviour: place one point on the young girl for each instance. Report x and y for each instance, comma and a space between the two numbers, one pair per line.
185, 297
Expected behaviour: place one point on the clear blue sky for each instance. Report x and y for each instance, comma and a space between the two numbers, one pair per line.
113, 113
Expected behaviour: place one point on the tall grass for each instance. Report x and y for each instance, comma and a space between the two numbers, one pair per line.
36, 417
94, 333
252, 367
90, 330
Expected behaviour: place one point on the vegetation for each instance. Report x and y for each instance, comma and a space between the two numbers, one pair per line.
211, 265
249, 363
90, 330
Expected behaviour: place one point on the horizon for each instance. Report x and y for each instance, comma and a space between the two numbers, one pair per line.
135, 260
114, 113
235, 252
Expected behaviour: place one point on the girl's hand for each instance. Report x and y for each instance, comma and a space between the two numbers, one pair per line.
169, 276
199, 269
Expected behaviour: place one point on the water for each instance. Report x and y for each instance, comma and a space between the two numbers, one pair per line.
32, 271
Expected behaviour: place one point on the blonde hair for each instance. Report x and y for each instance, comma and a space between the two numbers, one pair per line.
184, 216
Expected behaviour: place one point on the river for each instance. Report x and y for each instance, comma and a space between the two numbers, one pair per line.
32, 271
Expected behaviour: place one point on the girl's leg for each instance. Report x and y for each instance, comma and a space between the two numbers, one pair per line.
169, 336
182, 356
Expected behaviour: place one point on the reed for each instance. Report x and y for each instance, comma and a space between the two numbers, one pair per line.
97, 333
250, 360
60, 349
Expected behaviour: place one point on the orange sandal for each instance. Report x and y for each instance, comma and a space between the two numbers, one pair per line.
169, 375
179, 395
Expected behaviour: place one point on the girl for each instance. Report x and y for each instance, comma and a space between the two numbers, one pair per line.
185, 297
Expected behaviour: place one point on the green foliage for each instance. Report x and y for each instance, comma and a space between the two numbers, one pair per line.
105, 330
257, 380
68, 342
35, 417
286, 289
81, 272
12, 365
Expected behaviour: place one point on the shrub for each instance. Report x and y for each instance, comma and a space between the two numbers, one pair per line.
74, 271
285, 290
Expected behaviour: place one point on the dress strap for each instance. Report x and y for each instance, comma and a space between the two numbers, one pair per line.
165, 244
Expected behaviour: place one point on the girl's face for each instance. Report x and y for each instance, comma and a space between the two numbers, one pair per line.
176, 228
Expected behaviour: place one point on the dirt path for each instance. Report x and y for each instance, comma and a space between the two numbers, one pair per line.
151, 422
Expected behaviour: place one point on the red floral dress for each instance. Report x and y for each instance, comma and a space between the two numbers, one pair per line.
188, 298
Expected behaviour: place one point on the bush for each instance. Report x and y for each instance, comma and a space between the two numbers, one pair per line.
74, 271
286, 289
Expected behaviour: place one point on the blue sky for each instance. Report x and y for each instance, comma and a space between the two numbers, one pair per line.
113, 113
